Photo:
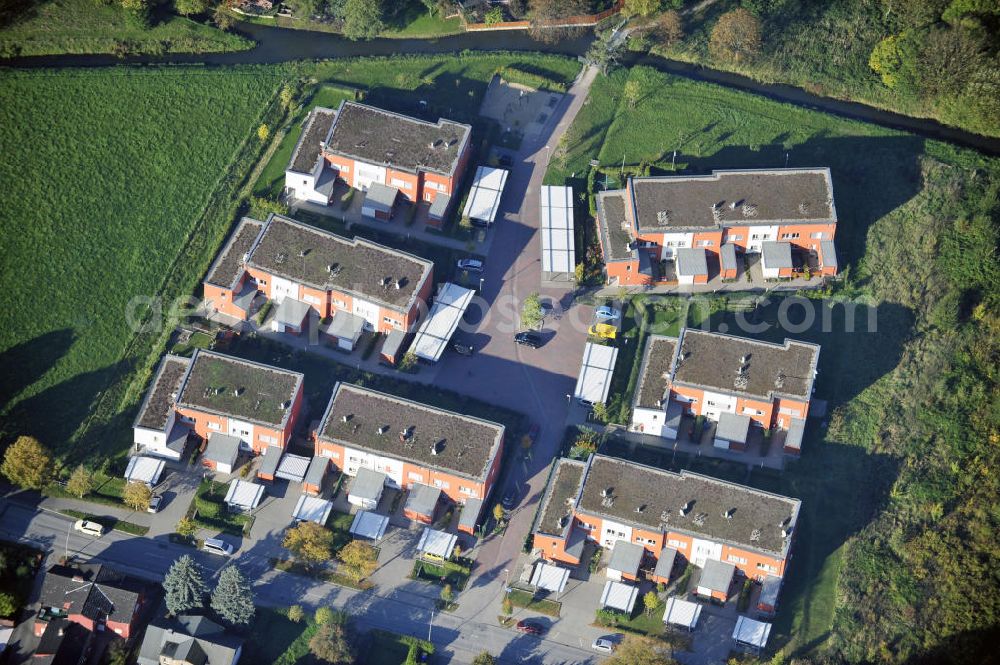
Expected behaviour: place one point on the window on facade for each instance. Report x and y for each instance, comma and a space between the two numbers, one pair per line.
467, 490
677, 544
313, 300
737, 559
789, 236
768, 568
819, 235
705, 243
755, 236
739, 237
214, 426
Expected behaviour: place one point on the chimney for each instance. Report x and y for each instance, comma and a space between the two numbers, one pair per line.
685, 509
383, 429
399, 284
729, 513
346, 417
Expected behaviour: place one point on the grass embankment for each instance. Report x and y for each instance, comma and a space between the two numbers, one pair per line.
527, 600
825, 47
892, 521
118, 184
108, 522
408, 20
54, 27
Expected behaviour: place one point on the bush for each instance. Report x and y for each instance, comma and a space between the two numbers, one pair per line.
515, 74
324, 615
296, 613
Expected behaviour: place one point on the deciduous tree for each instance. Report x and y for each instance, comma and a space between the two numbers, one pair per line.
81, 482
358, 560
296, 613
639, 650
531, 311
183, 586
263, 132
363, 19
485, 658
632, 92
736, 36
136, 495
498, 512
641, 7
310, 543
191, 7
323, 615
651, 601
330, 645
232, 598
447, 595
543, 13
27, 463
669, 28
8, 604
186, 527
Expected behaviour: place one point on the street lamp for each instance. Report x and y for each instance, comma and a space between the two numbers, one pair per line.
430, 624
506, 580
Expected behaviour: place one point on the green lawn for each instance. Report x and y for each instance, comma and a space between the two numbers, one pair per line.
107, 175
275, 640
412, 20
527, 600
109, 522
212, 512
385, 648
51, 27
885, 497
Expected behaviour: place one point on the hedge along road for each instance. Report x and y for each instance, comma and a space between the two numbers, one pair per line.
277, 45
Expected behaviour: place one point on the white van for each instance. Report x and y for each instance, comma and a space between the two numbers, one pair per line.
90, 528
216, 546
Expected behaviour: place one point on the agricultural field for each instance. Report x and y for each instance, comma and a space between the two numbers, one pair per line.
896, 535
107, 175
54, 27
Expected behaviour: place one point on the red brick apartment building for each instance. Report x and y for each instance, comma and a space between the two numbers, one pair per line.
735, 382
419, 448
781, 214
359, 284
361, 145
620, 504
213, 393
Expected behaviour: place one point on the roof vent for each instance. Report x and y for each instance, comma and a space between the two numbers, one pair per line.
755, 535
570, 501
749, 209
608, 501
406, 434
685, 509
400, 283
663, 217
729, 513
779, 380
437, 447
383, 429
237, 391
786, 532
280, 257
607, 491
640, 508
732, 206
246, 256
784, 522
804, 208
563, 521
346, 417
303, 252
333, 268
287, 403
386, 281
716, 206
220, 390
744, 359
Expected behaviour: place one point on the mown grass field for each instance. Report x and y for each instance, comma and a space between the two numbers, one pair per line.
882, 554
52, 27
105, 173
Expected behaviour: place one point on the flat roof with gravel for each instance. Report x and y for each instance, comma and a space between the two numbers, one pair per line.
384, 138
562, 490
733, 197
611, 223
159, 403
411, 431
326, 261
310, 143
654, 374
746, 366
654, 499
239, 388
228, 265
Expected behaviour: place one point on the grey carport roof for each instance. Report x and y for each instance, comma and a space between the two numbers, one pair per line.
222, 448
423, 499
717, 575
733, 427
665, 563
367, 484
691, 261
776, 254
626, 557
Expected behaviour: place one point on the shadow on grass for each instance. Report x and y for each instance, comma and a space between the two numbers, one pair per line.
23, 364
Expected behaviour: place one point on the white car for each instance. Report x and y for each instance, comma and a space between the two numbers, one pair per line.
154, 503
90, 528
216, 546
603, 645
470, 265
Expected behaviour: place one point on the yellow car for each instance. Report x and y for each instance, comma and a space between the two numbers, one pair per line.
603, 330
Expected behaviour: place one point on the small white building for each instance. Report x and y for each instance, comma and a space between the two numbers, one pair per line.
439, 544
436, 330
369, 525
691, 265
366, 488
619, 596
549, 577
312, 509
594, 381
556, 232
308, 177
682, 613
483, 203
751, 633
244, 495
776, 259
145, 470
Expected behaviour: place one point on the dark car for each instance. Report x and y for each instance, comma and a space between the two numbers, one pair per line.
530, 627
509, 498
528, 338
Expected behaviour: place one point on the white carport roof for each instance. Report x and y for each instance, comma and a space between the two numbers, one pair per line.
619, 596
549, 577
437, 543
369, 525
436, 330
144, 470
244, 495
556, 232
751, 632
484, 197
682, 613
293, 467
598, 365
312, 509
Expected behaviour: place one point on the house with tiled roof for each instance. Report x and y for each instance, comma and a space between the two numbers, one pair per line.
94, 596
354, 283
652, 513
735, 382
363, 146
699, 224
431, 452
189, 640
221, 397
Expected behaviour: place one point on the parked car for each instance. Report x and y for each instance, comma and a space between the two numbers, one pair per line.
607, 313
603, 330
217, 546
603, 645
506, 161
90, 528
155, 502
509, 499
530, 627
470, 265
528, 338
